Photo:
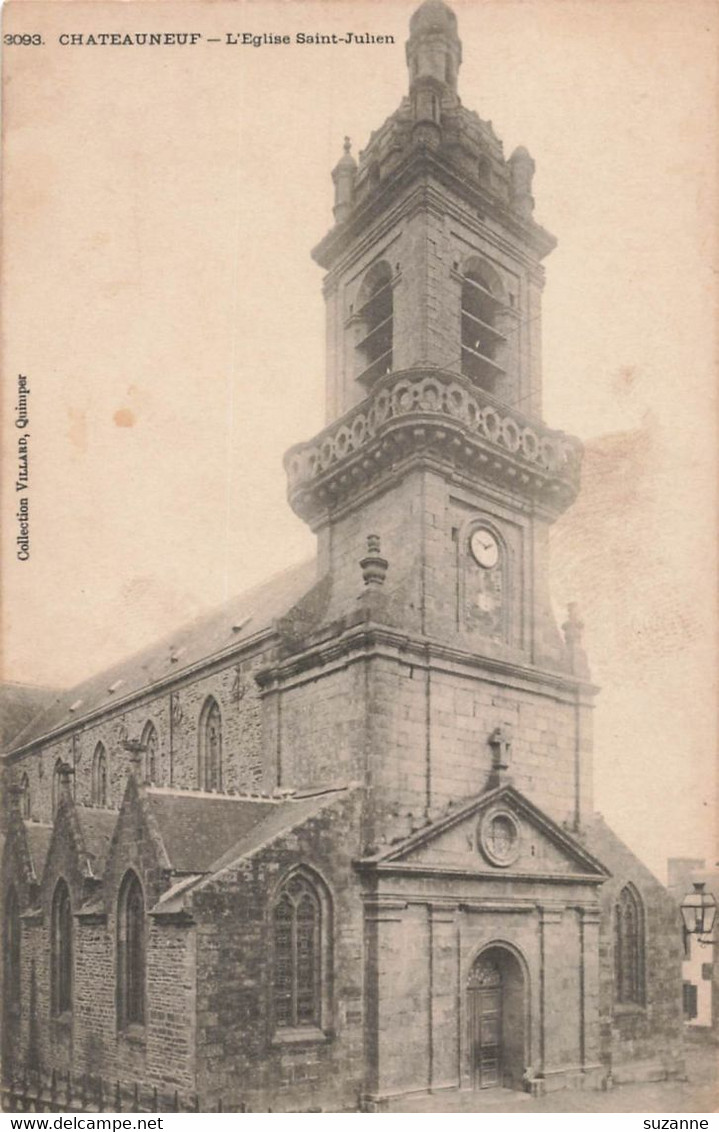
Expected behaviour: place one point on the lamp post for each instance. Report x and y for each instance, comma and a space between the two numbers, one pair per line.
699, 909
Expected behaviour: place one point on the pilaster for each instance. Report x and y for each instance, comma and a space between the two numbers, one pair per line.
444, 997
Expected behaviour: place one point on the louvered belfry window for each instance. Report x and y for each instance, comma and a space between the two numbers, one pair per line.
376, 314
628, 948
131, 953
61, 945
297, 927
482, 340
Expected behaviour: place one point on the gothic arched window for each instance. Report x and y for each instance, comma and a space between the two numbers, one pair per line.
375, 315
628, 947
131, 953
99, 776
210, 747
150, 743
11, 953
481, 338
300, 932
56, 785
25, 800
61, 949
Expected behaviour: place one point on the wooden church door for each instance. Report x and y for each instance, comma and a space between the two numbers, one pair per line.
484, 990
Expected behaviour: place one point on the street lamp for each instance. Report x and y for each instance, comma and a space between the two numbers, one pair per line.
699, 909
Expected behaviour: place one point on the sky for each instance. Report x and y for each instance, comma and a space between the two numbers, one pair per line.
160, 207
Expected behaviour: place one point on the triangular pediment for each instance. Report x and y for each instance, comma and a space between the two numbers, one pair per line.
500, 833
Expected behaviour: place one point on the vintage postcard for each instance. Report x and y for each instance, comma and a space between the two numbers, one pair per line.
358, 559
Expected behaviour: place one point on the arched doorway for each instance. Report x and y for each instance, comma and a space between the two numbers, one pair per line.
498, 1019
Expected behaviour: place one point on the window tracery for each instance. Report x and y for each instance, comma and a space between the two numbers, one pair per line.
300, 954
131, 953
61, 949
99, 776
210, 747
628, 948
151, 744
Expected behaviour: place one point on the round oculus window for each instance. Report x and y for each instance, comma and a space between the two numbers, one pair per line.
499, 837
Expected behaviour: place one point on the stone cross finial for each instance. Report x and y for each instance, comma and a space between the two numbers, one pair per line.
347, 144
500, 742
374, 566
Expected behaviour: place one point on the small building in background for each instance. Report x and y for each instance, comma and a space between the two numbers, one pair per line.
700, 976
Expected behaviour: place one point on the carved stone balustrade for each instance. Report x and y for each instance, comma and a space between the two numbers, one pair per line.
431, 416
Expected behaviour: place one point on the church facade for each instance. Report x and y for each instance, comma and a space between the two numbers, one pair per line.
334, 845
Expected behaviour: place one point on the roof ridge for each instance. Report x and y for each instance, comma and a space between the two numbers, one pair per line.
212, 795
148, 667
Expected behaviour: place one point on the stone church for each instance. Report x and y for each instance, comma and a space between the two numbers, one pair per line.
333, 845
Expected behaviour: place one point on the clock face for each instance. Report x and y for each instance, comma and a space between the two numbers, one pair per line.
484, 547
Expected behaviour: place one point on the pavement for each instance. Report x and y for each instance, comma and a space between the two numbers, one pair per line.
699, 1093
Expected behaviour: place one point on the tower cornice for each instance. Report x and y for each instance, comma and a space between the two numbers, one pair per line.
424, 195
356, 642
424, 162
438, 416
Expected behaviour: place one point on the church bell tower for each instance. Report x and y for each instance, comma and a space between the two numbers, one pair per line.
435, 444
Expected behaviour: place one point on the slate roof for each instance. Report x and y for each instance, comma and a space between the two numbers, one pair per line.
604, 843
256, 823
38, 840
97, 828
229, 625
277, 819
19, 705
202, 833
196, 829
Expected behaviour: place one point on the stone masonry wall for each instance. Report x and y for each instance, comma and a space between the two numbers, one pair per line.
87, 1038
650, 1032
427, 249
240, 1057
175, 716
430, 739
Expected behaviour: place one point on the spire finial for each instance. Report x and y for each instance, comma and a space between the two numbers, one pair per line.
343, 175
434, 50
573, 628
373, 565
